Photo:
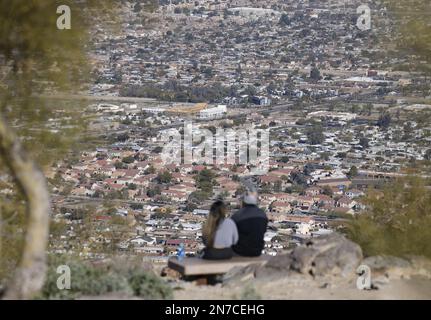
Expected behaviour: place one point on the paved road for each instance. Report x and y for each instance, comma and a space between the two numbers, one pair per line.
78, 199
99, 98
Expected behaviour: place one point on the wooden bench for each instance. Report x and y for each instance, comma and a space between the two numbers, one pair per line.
198, 266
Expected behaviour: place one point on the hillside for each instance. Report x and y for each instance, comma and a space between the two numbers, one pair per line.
325, 268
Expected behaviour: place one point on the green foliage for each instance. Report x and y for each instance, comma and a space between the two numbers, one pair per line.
115, 277
327, 191
190, 206
118, 221
120, 165
57, 229
415, 33
148, 285
132, 186
364, 142
12, 237
136, 206
128, 160
315, 135
353, 172
150, 170
284, 20
205, 181
249, 293
117, 194
151, 192
172, 91
315, 74
384, 120
85, 280
36, 56
198, 196
398, 221
164, 177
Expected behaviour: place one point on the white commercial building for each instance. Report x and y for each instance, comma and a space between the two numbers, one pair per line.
213, 113
342, 116
153, 110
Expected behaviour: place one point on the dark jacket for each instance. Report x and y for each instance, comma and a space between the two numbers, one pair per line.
251, 223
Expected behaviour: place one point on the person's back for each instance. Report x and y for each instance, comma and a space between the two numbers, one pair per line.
251, 223
226, 234
219, 233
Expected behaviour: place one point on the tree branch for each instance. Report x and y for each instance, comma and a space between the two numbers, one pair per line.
30, 274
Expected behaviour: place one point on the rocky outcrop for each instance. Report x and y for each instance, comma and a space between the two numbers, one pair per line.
323, 268
387, 268
330, 255
327, 255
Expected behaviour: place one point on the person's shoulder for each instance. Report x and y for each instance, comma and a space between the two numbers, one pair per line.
256, 209
260, 210
228, 224
236, 215
229, 221
259, 213
263, 213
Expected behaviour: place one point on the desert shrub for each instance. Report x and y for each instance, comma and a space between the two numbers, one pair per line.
249, 293
148, 285
86, 280
90, 280
12, 226
397, 221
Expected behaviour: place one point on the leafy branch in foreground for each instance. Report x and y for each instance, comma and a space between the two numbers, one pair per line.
35, 56
397, 222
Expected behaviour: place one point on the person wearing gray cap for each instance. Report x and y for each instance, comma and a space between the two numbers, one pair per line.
251, 222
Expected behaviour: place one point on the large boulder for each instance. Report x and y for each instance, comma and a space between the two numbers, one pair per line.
329, 255
386, 268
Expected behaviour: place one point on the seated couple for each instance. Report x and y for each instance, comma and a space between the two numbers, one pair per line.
242, 234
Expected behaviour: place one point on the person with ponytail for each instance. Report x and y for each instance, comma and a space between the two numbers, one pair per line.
219, 233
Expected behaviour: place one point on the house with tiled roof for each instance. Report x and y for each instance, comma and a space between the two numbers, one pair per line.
354, 193
346, 202
340, 183
175, 195
313, 191
281, 207
142, 181
269, 179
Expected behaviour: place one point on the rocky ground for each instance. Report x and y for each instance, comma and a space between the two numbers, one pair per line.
324, 268
413, 288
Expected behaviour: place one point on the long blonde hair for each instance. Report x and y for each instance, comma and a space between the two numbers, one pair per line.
217, 213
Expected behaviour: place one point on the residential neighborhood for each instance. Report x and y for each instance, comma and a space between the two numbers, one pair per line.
339, 122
